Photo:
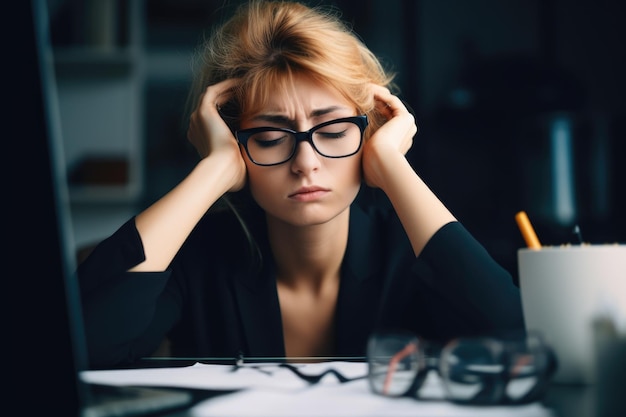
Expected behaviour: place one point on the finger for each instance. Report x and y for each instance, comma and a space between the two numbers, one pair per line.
394, 105
386, 102
217, 94
384, 108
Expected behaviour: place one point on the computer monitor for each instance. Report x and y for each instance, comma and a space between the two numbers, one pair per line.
45, 332
46, 335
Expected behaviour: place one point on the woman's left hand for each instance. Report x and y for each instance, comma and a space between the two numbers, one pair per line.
394, 137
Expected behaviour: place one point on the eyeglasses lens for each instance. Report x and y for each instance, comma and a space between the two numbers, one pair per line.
394, 362
528, 371
271, 146
492, 372
472, 371
337, 139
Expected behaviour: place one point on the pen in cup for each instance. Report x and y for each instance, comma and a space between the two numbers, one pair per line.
528, 232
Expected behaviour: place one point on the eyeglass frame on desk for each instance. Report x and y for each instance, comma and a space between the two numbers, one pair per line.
505, 362
563, 401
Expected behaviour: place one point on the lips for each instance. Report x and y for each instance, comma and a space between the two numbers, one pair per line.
305, 190
309, 193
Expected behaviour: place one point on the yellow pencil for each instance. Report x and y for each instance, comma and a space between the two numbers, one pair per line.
527, 230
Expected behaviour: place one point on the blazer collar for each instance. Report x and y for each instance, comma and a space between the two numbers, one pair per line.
259, 310
257, 295
363, 242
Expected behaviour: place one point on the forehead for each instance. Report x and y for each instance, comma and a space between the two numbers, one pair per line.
296, 96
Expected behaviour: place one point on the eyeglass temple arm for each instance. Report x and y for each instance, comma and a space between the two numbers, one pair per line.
395, 359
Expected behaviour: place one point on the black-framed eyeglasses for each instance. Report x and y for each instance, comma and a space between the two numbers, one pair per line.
473, 371
337, 138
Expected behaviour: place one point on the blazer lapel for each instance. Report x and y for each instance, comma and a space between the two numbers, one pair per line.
357, 306
359, 293
259, 310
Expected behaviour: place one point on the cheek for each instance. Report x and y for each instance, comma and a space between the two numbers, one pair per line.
353, 173
261, 183
348, 178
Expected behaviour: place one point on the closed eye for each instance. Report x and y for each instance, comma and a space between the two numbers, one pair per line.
268, 142
331, 135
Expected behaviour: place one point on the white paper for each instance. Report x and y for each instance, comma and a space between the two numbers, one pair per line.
343, 400
272, 391
202, 376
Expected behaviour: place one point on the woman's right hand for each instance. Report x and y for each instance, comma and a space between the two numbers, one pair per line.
211, 136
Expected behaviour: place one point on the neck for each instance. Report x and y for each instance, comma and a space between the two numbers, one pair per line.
309, 255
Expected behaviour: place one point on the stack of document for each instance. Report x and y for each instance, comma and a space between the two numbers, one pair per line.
269, 389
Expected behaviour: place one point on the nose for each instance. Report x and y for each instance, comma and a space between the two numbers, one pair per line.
305, 160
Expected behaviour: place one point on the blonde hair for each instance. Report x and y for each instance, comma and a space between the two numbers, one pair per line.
266, 43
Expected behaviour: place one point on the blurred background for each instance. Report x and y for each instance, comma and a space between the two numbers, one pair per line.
520, 105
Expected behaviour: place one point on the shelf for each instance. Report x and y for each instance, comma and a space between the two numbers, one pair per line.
103, 180
108, 60
93, 62
168, 64
97, 194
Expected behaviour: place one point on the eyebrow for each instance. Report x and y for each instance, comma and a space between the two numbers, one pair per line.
281, 119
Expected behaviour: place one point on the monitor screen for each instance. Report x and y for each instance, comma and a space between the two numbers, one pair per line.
45, 335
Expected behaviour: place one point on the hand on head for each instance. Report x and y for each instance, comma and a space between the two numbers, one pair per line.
210, 134
394, 136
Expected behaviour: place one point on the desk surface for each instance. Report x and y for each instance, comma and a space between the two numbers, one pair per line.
564, 401
571, 400
586, 400
213, 393
352, 398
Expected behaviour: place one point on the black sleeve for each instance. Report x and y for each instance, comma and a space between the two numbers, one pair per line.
125, 314
469, 293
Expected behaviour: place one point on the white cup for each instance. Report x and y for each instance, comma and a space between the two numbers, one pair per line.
563, 289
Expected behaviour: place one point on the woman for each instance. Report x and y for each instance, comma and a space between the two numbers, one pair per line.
295, 266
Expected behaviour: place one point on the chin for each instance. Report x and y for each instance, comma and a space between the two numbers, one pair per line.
309, 216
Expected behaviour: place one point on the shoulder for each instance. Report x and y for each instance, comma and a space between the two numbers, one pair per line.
450, 238
377, 241
373, 215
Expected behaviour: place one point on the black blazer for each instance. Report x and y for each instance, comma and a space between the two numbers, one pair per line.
213, 302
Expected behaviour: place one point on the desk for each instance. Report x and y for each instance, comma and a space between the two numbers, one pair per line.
563, 400
571, 400
267, 397
586, 401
